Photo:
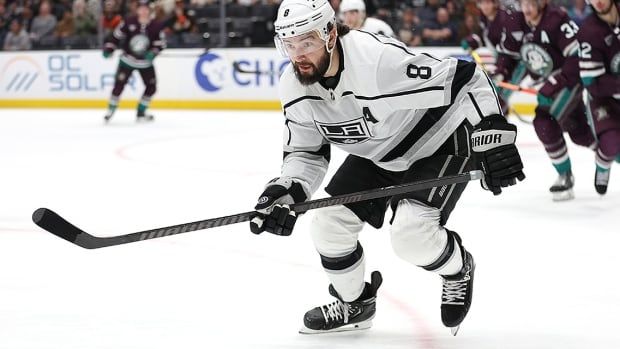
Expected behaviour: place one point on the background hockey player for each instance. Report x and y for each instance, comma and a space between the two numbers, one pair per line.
546, 40
492, 21
402, 117
141, 39
353, 14
599, 63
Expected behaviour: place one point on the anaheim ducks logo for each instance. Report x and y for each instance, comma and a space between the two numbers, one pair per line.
615, 64
537, 60
139, 44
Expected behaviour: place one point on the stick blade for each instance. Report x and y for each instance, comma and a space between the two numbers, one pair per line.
55, 224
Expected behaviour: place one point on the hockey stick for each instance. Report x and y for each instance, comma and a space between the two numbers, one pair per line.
55, 224
241, 70
509, 86
503, 84
513, 87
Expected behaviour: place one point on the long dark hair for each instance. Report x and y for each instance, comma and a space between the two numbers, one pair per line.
341, 29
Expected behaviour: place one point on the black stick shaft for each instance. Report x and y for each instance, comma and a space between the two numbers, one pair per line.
55, 224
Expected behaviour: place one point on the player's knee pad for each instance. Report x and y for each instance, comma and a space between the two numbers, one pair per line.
418, 237
583, 136
335, 230
609, 142
547, 129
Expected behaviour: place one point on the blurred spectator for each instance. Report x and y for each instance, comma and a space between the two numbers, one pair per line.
182, 20
94, 8
247, 2
353, 14
110, 18
159, 13
469, 26
441, 32
26, 18
407, 28
428, 13
17, 39
131, 8
85, 22
579, 11
199, 3
335, 5
44, 23
455, 11
166, 5
66, 26
4, 21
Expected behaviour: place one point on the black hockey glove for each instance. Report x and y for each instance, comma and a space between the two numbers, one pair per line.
273, 210
495, 153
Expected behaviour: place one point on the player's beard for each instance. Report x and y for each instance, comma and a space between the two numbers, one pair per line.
317, 71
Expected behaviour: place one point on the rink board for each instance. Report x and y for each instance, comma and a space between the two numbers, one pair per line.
187, 79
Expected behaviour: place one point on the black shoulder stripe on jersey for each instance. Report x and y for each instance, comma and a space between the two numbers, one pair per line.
499, 107
387, 43
473, 100
289, 131
324, 151
430, 56
297, 100
395, 94
429, 119
464, 72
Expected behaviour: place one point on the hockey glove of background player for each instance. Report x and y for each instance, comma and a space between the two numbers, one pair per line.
495, 153
550, 89
273, 211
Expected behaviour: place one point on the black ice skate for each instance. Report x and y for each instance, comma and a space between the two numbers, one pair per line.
344, 316
562, 189
108, 116
601, 179
143, 117
456, 294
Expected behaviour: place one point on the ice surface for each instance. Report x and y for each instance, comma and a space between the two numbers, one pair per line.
546, 272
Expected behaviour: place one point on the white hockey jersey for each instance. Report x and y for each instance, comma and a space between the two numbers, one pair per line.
377, 26
386, 104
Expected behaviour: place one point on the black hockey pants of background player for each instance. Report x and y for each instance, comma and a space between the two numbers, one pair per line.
123, 73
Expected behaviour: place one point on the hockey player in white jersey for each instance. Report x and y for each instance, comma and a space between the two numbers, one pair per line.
353, 14
402, 117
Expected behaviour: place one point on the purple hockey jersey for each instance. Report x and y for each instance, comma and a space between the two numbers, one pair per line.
136, 40
599, 57
546, 49
491, 30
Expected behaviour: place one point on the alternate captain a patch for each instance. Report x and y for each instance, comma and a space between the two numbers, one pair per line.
346, 132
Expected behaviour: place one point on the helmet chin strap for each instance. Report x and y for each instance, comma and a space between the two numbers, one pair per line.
331, 52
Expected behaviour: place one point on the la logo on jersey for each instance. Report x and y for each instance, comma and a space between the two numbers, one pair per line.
346, 132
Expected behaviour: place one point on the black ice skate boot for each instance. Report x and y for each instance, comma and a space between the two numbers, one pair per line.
562, 189
601, 180
108, 115
141, 116
344, 316
457, 293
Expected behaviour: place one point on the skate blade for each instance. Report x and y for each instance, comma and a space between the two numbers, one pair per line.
454, 330
364, 325
563, 195
145, 119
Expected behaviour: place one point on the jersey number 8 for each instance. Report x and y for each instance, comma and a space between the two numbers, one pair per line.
413, 71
